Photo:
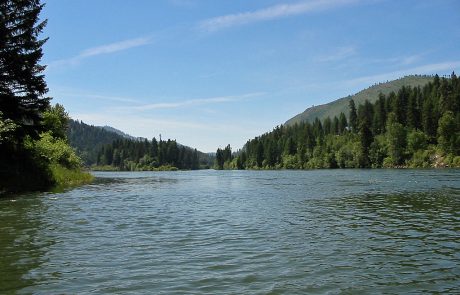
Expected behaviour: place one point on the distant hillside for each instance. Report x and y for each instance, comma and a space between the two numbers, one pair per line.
119, 132
341, 105
88, 139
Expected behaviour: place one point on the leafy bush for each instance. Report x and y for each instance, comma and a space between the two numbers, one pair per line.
416, 140
420, 159
56, 151
456, 162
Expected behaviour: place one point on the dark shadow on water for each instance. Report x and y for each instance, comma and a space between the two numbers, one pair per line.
22, 248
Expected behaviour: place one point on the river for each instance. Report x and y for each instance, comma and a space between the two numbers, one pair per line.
237, 232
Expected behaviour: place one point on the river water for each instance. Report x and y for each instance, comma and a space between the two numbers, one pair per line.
237, 232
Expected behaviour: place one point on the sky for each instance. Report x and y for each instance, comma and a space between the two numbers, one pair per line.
214, 72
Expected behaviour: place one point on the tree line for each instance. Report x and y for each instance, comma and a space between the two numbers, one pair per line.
413, 127
88, 140
135, 155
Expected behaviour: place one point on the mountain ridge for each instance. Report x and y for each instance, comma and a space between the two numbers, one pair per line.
334, 108
88, 140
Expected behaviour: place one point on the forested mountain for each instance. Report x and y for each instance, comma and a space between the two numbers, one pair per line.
107, 146
135, 155
413, 127
371, 94
87, 140
119, 132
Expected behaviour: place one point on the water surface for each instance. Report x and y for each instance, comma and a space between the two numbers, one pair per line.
237, 232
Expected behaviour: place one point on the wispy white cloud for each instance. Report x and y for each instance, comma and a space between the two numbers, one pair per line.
399, 60
115, 47
101, 50
269, 13
194, 102
135, 124
420, 70
339, 54
79, 94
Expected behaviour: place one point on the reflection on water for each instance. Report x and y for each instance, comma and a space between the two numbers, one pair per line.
261, 232
22, 246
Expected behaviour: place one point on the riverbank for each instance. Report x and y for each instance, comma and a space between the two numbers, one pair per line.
59, 178
109, 168
68, 178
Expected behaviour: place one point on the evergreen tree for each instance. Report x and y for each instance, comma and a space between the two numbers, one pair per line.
290, 147
220, 159
335, 125
22, 83
327, 126
380, 140
400, 105
353, 117
365, 139
379, 115
396, 140
449, 133
342, 123
259, 154
413, 117
428, 119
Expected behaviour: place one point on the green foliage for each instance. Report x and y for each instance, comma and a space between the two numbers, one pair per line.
7, 129
455, 162
399, 129
65, 177
22, 85
56, 120
224, 158
34, 154
449, 133
88, 140
396, 141
416, 140
372, 94
421, 159
144, 155
55, 150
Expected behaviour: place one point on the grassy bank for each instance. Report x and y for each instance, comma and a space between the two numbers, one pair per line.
67, 178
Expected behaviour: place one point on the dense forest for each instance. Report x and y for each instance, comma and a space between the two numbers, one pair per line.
106, 148
135, 155
413, 127
34, 152
371, 93
88, 140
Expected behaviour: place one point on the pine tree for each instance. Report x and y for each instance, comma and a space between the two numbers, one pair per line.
259, 154
335, 126
327, 125
220, 159
412, 110
379, 115
342, 123
353, 118
22, 83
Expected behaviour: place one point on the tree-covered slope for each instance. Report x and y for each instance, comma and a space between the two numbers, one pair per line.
87, 140
412, 127
371, 94
107, 146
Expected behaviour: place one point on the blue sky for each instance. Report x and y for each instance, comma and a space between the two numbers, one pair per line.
212, 72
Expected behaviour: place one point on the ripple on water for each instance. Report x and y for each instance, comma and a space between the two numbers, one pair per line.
257, 232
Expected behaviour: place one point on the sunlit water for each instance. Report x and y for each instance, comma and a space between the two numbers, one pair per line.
237, 232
